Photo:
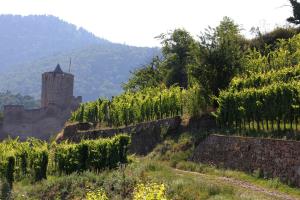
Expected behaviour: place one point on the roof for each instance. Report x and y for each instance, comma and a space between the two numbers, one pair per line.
58, 69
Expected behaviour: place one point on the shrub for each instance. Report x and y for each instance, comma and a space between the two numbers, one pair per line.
10, 169
150, 191
92, 154
40, 164
96, 195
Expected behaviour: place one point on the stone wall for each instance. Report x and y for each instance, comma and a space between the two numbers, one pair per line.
40, 123
274, 158
144, 136
57, 88
57, 103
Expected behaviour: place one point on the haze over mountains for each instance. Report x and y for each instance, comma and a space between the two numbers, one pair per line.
31, 45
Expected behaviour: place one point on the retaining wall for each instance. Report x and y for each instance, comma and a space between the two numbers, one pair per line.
144, 136
275, 158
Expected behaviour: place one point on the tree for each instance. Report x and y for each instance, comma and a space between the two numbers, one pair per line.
181, 54
148, 76
270, 39
296, 12
220, 56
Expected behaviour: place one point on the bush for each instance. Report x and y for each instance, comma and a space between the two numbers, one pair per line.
40, 164
151, 191
10, 169
96, 195
92, 154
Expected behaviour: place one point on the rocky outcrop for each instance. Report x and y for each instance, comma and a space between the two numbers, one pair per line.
273, 158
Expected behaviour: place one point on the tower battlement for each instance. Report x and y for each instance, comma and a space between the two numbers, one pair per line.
57, 88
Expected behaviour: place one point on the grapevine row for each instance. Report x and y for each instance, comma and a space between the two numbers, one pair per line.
286, 53
145, 105
261, 79
276, 103
36, 159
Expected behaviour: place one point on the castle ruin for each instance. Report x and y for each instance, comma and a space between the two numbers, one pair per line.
57, 103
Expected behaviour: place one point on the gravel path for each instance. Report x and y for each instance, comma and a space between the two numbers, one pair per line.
246, 185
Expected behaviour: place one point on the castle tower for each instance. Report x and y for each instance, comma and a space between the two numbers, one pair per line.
57, 88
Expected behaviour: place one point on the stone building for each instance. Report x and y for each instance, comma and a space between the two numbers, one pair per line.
57, 103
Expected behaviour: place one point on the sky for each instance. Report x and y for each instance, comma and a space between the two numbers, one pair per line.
137, 22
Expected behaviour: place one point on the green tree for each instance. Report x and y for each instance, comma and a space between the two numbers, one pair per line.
270, 39
148, 76
181, 54
295, 19
220, 56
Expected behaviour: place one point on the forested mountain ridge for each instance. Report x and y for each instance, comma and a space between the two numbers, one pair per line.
27, 38
34, 44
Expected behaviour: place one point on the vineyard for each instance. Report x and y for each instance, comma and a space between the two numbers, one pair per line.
145, 105
267, 96
36, 159
260, 79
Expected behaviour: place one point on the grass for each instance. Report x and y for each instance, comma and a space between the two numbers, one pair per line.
273, 184
158, 167
176, 150
119, 184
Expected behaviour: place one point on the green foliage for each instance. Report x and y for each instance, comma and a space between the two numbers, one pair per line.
267, 93
276, 102
296, 12
91, 155
144, 105
181, 54
271, 38
30, 157
40, 164
5, 190
148, 76
10, 168
286, 53
33, 158
260, 79
220, 56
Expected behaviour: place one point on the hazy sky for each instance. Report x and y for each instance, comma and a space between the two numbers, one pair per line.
137, 22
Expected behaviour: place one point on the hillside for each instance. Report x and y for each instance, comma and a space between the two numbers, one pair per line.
17, 99
35, 44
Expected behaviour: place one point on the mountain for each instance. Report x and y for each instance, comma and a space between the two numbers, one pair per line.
31, 45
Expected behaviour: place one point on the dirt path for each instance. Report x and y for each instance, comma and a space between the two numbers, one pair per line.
244, 184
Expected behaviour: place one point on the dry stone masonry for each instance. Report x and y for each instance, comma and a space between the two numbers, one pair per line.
144, 136
274, 158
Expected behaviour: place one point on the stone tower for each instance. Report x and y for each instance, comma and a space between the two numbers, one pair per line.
57, 88
57, 103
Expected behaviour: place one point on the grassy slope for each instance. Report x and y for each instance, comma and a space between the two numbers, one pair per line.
176, 150
159, 166
119, 184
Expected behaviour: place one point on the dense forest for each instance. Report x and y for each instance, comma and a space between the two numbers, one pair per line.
31, 45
